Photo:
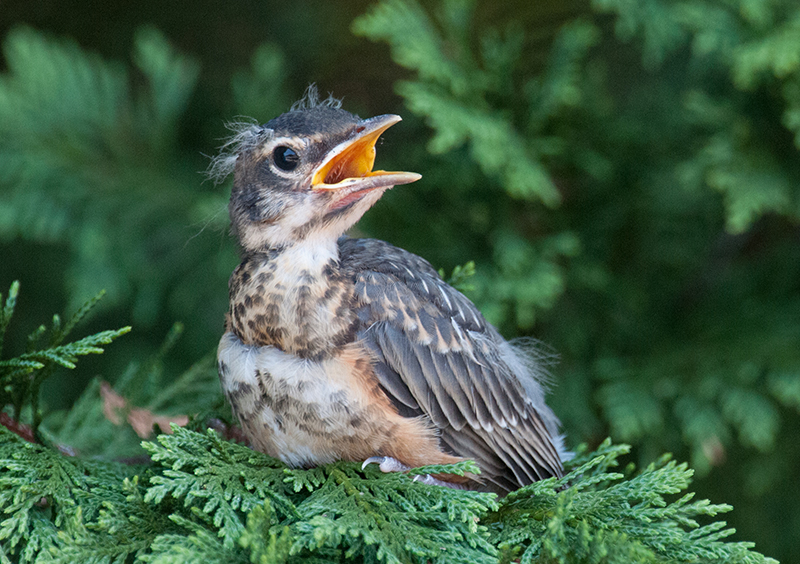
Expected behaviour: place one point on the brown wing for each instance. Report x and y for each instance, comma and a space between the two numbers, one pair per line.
436, 355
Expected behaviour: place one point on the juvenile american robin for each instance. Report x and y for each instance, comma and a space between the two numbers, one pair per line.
340, 348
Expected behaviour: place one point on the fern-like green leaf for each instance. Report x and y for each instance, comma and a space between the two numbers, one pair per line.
226, 480
592, 515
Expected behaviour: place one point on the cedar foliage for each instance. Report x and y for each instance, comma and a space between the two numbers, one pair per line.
200, 497
624, 176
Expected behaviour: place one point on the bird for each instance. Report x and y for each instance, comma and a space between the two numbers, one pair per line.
339, 348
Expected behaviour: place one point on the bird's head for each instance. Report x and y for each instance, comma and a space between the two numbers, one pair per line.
307, 174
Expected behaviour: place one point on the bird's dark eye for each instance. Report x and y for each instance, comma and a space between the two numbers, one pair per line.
285, 158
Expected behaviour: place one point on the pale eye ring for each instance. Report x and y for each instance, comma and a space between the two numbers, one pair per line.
285, 158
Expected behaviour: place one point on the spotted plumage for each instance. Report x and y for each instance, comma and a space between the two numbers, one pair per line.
340, 348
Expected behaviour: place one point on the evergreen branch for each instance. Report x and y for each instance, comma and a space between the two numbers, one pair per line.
560, 85
266, 541
34, 478
451, 91
458, 469
37, 334
122, 526
66, 355
62, 509
200, 545
494, 143
338, 512
25, 366
460, 277
86, 145
77, 317
591, 514
42, 539
659, 24
229, 479
8, 310
392, 519
774, 55
418, 45
171, 78
22, 376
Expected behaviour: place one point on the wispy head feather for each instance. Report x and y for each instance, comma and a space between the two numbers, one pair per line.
311, 100
246, 135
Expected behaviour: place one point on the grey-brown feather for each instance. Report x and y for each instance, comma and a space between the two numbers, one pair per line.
467, 380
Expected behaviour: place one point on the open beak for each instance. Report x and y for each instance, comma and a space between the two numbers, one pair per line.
348, 166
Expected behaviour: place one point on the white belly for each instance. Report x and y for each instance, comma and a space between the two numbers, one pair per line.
302, 411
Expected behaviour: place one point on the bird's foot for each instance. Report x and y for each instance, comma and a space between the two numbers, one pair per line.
388, 464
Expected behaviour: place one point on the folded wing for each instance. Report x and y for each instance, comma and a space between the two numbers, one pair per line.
435, 355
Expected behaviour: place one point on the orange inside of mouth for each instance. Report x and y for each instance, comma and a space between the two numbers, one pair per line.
355, 161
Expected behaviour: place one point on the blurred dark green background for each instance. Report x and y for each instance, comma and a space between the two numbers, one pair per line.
623, 173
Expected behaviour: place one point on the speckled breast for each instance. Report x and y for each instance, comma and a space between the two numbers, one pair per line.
305, 412
301, 387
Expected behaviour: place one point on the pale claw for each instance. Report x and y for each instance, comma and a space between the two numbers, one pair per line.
431, 481
386, 464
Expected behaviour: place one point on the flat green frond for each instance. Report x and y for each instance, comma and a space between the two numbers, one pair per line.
34, 481
335, 509
392, 519
559, 87
171, 78
199, 545
777, 55
65, 355
596, 516
266, 542
77, 317
460, 277
21, 377
458, 469
223, 479
7, 310
451, 92
88, 145
418, 44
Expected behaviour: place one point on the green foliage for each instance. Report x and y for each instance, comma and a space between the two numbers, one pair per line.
85, 149
668, 278
757, 49
206, 499
330, 512
592, 515
146, 386
453, 89
21, 377
459, 278
623, 175
454, 93
199, 497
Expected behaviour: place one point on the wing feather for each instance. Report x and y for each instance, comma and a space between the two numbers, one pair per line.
476, 398
436, 355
